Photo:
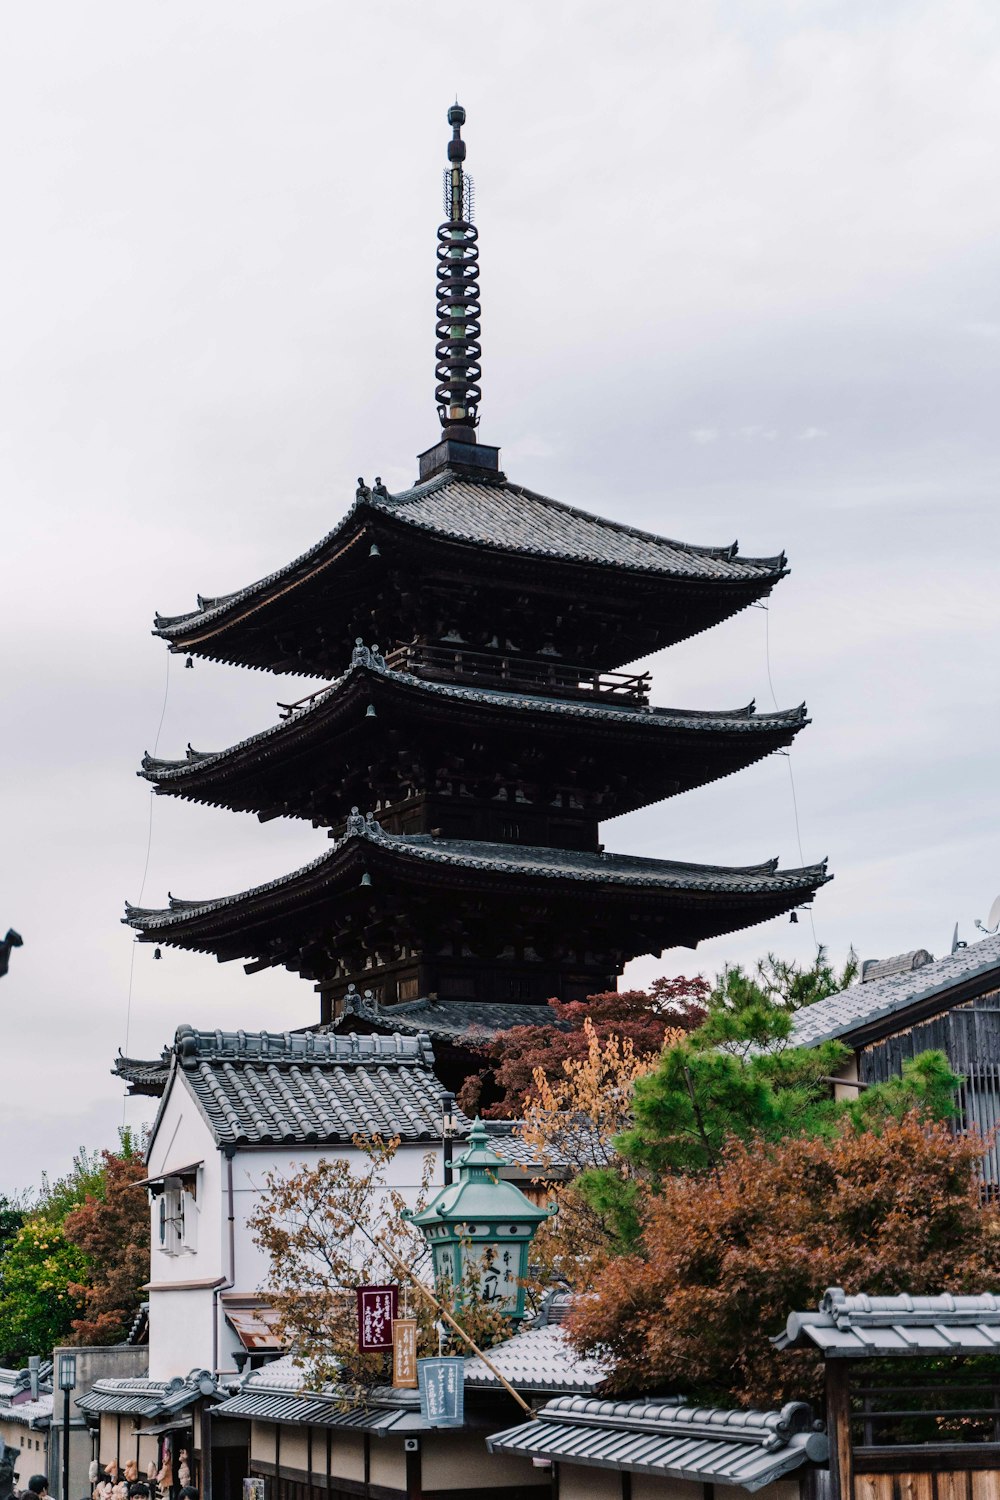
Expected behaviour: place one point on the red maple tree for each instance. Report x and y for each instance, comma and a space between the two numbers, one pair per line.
725, 1256
504, 1085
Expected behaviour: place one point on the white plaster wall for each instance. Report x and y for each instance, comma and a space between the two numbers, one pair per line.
454, 1460
180, 1332
250, 1171
182, 1137
262, 1441
347, 1460
646, 1487
388, 1464
579, 1483
295, 1447
180, 1321
34, 1450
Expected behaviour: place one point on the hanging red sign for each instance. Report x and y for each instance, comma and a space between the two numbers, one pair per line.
377, 1306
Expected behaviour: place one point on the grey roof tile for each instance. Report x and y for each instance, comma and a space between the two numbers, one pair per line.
660, 1437
865, 1327
520, 520
862, 1004
320, 1411
28, 1413
506, 517
539, 1360
277, 1392
469, 854
264, 1087
141, 1397
743, 720
450, 1020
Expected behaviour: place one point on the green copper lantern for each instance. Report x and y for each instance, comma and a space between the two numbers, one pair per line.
484, 1222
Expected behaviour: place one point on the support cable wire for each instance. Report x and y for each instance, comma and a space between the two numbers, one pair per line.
145, 868
787, 754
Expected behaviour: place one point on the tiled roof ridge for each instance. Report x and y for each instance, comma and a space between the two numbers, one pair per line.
210, 605
335, 1049
479, 854
139, 1384
767, 1429
743, 719
862, 1004
860, 1309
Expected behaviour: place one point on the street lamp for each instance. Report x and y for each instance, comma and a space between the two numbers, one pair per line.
484, 1225
449, 1129
67, 1381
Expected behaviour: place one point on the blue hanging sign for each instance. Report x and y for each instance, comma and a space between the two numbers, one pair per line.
442, 1390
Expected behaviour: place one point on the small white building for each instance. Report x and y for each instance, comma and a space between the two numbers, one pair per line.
238, 1105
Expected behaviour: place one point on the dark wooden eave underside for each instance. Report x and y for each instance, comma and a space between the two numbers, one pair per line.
640, 755
650, 591
657, 902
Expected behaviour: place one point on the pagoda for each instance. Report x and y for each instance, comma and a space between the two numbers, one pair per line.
478, 725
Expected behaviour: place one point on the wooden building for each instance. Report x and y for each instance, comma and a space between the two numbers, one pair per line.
912, 1393
463, 771
914, 1003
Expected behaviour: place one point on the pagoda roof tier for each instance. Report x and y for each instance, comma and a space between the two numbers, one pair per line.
369, 876
472, 1022
342, 746
506, 553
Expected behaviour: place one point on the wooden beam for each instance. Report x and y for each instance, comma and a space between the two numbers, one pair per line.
838, 1426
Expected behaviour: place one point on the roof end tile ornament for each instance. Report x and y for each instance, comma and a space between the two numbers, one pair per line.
367, 656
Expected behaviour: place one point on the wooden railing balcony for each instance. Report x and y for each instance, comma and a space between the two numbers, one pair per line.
546, 676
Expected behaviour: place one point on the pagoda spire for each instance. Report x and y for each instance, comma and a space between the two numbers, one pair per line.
458, 351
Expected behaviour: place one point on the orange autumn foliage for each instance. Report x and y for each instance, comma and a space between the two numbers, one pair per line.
724, 1257
113, 1232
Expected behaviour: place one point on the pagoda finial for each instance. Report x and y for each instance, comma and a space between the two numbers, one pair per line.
458, 350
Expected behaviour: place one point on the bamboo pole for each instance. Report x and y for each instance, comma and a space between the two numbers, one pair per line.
425, 1291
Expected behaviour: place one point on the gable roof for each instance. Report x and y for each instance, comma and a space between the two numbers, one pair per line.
861, 1006
864, 1327
658, 1436
265, 1088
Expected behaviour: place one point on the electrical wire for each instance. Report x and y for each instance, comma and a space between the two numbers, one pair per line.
788, 757
145, 868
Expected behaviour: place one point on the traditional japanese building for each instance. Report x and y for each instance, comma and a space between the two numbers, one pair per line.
464, 764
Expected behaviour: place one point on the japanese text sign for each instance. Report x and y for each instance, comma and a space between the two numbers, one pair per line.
377, 1307
404, 1353
442, 1391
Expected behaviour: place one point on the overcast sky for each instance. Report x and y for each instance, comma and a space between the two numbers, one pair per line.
739, 279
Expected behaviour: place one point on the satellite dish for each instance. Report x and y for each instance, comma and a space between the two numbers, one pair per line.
992, 924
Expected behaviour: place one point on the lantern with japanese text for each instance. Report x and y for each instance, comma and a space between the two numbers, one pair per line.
484, 1224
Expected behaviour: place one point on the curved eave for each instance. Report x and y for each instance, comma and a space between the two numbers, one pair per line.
208, 777
456, 865
202, 631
